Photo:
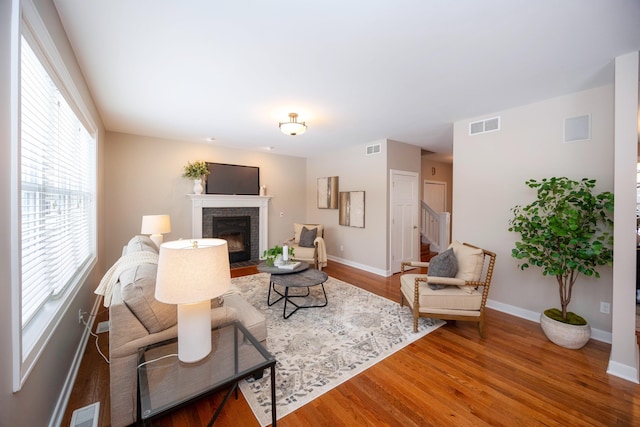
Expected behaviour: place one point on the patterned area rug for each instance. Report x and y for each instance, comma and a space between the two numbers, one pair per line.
318, 349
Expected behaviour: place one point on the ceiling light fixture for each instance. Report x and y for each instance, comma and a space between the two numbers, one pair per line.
292, 127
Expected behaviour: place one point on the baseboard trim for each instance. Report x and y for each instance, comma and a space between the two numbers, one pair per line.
596, 334
65, 394
625, 372
367, 268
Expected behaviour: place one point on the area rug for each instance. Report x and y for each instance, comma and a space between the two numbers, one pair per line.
318, 349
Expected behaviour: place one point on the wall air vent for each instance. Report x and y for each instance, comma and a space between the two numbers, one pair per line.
577, 128
484, 126
86, 416
373, 149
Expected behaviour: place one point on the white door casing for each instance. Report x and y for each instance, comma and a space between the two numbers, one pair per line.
404, 235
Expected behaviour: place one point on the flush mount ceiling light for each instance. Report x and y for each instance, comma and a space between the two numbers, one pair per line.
292, 127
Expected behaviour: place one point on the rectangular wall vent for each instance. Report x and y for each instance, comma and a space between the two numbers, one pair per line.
484, 126
577, 128
373, 149
87, 416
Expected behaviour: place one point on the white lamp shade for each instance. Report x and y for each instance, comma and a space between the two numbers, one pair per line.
191, 271
293, 128
156, 224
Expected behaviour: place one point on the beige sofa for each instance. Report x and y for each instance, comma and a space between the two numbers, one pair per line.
137, 319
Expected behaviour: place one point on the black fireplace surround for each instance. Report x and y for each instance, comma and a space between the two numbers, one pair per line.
238, 226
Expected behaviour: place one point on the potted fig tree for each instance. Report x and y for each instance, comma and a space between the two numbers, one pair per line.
566, 231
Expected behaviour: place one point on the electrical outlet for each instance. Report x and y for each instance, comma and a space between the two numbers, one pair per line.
341, 248
80, 316
605, 307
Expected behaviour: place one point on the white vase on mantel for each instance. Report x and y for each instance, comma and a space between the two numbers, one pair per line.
197, 186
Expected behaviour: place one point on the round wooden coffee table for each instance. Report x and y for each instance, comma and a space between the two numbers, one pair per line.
300, 277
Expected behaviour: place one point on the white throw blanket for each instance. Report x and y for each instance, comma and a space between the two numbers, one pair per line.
125, 262
322, 254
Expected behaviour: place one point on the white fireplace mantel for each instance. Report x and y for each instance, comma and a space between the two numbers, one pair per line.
201, 201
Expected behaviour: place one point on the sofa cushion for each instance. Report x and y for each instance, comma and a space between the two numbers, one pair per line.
138, 287
442, 265
307, 237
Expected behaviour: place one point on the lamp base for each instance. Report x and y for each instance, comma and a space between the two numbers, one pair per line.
157, 239
194, 331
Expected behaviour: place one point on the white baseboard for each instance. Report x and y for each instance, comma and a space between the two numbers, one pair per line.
67, 388
628, 373
367, 268
596, 334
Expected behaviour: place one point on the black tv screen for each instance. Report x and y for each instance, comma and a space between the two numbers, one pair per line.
233, 179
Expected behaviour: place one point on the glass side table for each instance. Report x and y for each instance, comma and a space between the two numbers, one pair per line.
166, 384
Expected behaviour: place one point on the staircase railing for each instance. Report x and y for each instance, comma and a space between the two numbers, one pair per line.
434, 227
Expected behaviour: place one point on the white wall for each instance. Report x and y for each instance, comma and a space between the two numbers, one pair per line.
490, 171
624, 348
144, 176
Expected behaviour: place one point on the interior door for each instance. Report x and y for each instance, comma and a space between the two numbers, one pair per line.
404, 218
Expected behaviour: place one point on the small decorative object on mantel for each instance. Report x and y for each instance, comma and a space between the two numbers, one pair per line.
565, 231
274, 256
196, 171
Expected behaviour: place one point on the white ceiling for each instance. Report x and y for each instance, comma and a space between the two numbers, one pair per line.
355, 71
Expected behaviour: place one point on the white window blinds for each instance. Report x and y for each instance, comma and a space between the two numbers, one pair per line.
57, 187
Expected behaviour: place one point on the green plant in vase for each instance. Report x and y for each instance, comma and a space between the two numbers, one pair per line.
195, 171
270, 255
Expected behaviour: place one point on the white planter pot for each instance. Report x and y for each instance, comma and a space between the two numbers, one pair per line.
564, 334
197, 186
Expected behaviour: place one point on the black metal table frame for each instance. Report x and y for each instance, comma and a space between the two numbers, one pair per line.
288, 298
256, 371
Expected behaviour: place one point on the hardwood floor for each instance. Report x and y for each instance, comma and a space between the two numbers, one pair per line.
451, 377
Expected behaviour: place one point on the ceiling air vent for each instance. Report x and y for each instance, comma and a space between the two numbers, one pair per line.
484, 126
373, 149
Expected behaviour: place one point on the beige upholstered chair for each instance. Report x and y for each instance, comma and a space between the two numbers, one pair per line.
313, 249
462, 297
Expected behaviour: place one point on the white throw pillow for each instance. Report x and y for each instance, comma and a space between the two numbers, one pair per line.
470, 262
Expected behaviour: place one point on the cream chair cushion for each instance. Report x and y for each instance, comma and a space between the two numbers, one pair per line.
451, 298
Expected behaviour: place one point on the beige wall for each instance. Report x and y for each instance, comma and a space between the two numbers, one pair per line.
361, 247
40, 399
144, 176
443, 173
490, 170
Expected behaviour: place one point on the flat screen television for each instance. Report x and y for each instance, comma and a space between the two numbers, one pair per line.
233, 179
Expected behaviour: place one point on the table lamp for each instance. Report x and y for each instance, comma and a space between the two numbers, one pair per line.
156, 226
190, 274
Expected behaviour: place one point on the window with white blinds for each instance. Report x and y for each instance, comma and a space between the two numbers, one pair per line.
57, 190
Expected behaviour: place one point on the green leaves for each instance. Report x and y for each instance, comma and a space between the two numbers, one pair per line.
565, 231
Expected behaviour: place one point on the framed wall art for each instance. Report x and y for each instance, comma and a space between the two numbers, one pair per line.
351, 211
328, 192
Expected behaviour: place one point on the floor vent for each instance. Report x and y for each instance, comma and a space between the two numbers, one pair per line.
102, 327
373, 149
86, 417
484, 126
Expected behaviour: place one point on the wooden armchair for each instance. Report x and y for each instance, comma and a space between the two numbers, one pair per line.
311, 250
462, 297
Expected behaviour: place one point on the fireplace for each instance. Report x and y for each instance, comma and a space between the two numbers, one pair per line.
236, 230
206, 206
239, 226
